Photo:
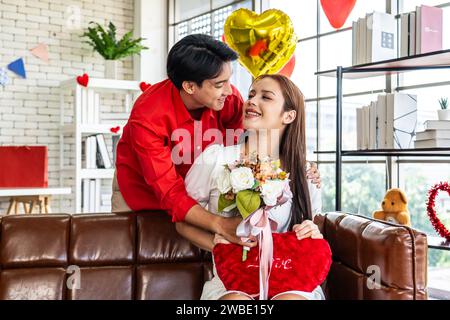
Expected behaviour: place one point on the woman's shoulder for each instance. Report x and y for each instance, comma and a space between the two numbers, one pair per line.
218, 154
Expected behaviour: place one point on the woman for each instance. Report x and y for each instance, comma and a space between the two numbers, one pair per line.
274, 105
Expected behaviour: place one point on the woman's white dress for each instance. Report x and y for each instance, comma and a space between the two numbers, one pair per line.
201, 185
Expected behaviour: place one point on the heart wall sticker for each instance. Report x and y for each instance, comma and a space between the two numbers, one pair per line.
337, 11
144, 86
265, 42
83, 80
297, 265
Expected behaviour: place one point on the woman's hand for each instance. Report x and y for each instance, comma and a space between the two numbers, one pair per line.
307, 229
313, 174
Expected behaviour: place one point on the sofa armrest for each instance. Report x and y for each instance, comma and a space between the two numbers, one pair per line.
374, 260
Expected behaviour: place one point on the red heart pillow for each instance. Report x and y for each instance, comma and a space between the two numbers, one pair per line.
297, 265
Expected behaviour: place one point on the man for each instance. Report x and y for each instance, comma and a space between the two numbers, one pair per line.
197, 97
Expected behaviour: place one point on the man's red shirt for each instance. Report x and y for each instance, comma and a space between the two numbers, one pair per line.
147, 176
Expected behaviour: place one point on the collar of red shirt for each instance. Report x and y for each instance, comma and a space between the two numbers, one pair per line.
181, 112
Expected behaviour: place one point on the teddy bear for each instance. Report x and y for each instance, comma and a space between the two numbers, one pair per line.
395, 208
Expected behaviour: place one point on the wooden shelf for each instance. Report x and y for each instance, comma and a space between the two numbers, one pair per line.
425, 152
91, 128
431, 60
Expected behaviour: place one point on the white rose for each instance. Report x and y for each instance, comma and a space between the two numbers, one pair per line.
223, 181
271, 191
242, 179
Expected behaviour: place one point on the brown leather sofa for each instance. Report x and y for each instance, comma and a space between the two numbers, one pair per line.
141, 256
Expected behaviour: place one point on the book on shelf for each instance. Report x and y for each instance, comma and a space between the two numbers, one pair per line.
90, 152
92, 195
374, 38
90, 106
381, 121
387, 123
401, 120
404, 35
437, 125
85, 195
412, 34
354, 40
366, 126
372, 126
432, 143
102, 153
359, 128
97, 195
433, 134
381, 37
429, 22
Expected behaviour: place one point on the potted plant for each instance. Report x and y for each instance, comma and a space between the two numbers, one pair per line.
105, 43
444, 113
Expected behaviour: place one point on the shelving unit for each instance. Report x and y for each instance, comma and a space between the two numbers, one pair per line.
432, 60
78, 128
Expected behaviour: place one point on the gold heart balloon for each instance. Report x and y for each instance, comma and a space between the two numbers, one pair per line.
265, 42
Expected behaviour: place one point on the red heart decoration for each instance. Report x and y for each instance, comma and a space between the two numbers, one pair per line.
297, 265
144, 86
83, 80
437, 224
115, 129
288, 68
337, 11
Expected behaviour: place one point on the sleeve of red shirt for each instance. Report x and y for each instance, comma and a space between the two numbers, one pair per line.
159, 171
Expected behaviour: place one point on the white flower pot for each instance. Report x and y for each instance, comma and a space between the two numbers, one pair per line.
444, 114
111, 69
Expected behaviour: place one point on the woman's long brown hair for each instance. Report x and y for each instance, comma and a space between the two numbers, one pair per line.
293, 149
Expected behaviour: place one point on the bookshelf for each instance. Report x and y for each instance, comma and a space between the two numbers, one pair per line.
432, 60
84, 113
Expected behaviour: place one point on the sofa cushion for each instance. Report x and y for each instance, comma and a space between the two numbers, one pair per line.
34, 241
102, 240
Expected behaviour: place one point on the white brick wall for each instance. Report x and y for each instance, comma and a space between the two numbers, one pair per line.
29, 108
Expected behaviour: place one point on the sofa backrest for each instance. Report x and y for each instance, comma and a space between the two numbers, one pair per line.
119, 256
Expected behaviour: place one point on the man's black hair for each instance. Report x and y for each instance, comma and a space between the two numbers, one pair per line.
196, 58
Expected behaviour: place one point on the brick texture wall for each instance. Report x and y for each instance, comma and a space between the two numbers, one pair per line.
29, 108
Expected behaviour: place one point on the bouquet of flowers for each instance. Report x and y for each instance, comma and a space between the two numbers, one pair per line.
251, 184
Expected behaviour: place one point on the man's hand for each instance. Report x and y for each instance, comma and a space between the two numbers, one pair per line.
226, 227
313, 174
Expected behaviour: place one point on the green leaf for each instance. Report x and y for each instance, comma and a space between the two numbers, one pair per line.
247, 201
224, 203
105, 43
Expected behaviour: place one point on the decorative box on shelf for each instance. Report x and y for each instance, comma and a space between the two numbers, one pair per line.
91, 121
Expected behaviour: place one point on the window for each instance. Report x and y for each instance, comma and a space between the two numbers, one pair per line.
320, 47
207, 17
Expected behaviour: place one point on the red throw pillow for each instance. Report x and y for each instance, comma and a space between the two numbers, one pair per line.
297, 265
